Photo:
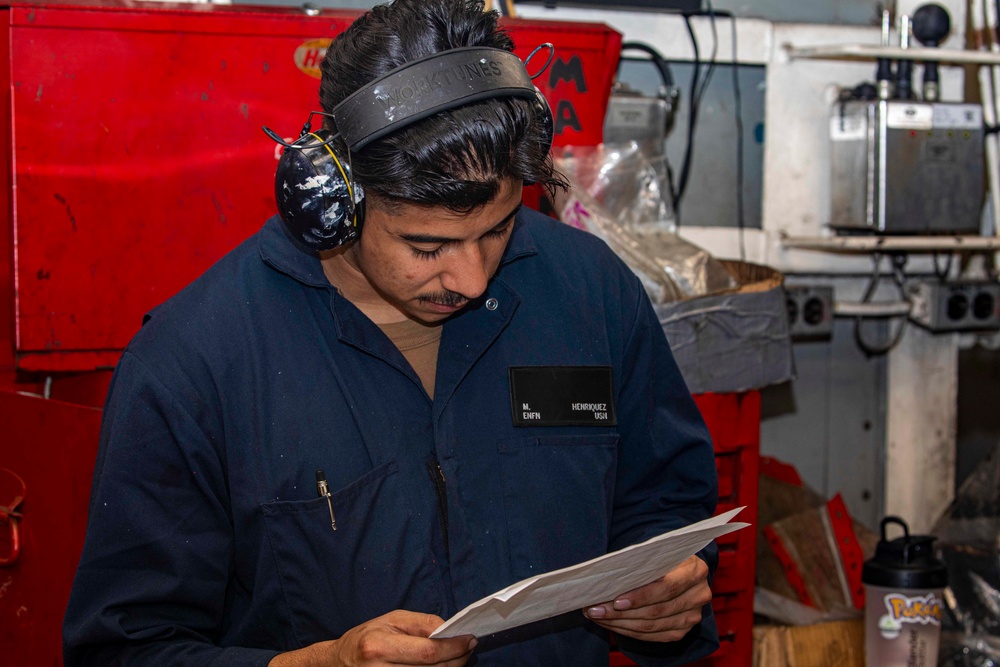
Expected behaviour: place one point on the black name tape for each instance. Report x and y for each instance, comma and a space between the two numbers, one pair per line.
562, 396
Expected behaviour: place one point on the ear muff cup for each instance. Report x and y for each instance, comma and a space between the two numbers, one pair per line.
316, 196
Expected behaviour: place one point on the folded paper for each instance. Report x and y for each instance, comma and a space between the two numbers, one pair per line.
586, 584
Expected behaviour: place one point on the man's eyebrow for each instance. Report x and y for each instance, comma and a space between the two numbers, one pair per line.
428, 238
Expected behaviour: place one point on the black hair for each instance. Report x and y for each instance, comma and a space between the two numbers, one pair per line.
456, 158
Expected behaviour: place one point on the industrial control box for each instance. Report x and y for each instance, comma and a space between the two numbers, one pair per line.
632, 116
904, 167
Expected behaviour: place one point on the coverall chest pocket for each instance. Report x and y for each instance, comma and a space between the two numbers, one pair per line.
377, 560
558, 496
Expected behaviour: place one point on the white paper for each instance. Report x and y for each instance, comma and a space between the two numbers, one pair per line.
586, 584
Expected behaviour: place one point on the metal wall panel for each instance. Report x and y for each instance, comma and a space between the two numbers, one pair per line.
830, 421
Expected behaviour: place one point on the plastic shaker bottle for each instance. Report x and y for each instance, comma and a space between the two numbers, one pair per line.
903, 600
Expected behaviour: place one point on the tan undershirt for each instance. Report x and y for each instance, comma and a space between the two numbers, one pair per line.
419, 344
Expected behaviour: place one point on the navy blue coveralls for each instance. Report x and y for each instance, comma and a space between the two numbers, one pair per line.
208, 544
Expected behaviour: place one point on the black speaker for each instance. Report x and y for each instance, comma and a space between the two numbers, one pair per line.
316, 195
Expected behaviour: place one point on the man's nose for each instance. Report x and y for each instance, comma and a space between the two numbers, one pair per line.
466, 273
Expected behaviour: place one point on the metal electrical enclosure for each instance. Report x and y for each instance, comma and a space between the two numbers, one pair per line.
956, 306
901, 167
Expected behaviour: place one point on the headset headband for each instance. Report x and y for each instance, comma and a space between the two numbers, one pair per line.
426, 86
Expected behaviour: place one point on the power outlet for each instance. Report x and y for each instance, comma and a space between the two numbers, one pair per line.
810, 312
956, 305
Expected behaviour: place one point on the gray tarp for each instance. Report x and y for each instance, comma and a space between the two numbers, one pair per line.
735, 340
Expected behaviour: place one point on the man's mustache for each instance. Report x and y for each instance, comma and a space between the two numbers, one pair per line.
446, 298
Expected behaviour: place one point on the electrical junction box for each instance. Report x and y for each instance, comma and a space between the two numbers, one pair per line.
955, 306
903, 167
810, 312
632, 116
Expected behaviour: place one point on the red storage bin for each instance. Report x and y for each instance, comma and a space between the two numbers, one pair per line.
733, 421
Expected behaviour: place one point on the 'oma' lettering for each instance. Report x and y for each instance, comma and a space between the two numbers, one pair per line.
570, 71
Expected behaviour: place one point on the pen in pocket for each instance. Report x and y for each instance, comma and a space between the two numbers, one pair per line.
324, 492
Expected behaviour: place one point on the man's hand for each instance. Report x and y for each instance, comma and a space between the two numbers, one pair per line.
663, 611
397, 638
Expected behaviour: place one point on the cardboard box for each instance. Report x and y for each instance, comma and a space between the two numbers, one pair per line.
834, 644
732, 340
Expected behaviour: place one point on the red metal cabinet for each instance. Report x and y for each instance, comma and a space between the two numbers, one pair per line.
50, 444
138, 157
133, 158
733, 421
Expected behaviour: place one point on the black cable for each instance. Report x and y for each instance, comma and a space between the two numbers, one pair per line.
875, 277
712, 57
899, 278
738, 113
666, 75
678, 192
942, 275
698, 88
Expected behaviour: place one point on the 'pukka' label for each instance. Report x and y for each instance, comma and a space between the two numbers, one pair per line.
924, 609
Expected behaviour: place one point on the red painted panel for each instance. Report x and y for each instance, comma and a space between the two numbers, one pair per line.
139, 159
7, 231
51, 445
577, 83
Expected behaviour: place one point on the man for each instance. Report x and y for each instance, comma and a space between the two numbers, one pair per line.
402, 365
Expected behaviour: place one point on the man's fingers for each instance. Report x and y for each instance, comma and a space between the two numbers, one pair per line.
410, 650
692, 599
452, 650
670, 628
401, 638
660, 622
459, 661
672, 585
413, 623
662, 611
692, 574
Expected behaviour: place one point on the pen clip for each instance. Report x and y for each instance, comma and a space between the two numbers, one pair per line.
324, 492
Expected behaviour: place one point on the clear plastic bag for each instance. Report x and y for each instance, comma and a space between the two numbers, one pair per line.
627, 180
616, 193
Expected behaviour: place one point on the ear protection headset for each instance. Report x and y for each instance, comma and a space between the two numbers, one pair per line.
317, 198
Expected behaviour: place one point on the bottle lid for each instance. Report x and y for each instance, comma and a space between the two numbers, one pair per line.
905, 562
